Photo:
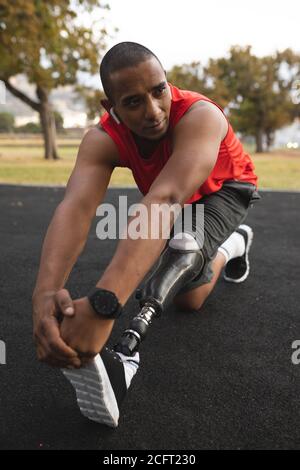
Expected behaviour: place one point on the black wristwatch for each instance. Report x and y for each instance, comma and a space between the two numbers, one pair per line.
105, 303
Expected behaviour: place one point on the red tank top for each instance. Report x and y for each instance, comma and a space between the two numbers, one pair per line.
232, 161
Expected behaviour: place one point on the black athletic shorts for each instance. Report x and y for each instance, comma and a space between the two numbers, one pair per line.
224, 211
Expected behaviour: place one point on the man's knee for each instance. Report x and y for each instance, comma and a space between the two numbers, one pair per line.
184, 241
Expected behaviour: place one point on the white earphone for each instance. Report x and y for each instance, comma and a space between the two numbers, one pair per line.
115, 117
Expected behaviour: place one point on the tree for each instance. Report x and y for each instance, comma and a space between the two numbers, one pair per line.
59, 121
194, 77
187, 77
7, 121
92, 99
259, 90
29, 128
45, 41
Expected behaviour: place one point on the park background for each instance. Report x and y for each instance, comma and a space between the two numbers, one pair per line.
244, 56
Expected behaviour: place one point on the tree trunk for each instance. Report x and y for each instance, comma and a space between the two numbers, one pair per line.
43, 107
259, 141
49, 132
48, 125
270, 139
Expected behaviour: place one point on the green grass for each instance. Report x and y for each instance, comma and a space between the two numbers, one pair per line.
278, 171
22, 162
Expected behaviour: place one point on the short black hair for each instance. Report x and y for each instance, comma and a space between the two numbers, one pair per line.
122, 55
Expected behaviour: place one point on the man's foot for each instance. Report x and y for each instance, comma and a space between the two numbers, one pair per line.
101, 386
237, 269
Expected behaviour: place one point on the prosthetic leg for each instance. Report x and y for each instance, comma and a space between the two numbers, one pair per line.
180, 263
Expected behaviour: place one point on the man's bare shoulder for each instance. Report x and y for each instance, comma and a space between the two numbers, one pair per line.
202, 109
98, 145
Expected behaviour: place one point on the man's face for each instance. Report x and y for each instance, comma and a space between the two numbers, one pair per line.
142, 99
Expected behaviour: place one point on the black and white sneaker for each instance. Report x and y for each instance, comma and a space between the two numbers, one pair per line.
101, 386
237, 269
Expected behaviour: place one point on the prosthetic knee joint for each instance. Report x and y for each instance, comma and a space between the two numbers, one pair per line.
179, 263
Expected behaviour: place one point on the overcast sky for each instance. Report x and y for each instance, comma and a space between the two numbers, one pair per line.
180, 31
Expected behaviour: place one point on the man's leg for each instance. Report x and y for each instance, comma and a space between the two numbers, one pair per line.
102, 385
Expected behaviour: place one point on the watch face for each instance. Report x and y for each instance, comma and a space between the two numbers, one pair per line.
104, 302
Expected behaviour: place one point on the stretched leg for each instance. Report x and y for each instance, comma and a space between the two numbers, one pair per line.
101, 385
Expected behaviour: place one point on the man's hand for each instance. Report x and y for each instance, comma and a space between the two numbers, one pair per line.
48, 309
85, 332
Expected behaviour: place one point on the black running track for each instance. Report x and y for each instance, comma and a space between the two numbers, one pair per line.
219, 379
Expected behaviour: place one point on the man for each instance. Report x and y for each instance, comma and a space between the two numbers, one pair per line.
181, 149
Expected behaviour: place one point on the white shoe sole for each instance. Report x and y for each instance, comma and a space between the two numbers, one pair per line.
95, 396
250, 239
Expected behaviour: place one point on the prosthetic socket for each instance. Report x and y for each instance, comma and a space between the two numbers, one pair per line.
179, 263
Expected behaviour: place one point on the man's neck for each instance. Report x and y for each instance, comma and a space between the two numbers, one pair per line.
146, 146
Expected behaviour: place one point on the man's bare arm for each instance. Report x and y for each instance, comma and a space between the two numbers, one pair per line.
65, 239
69, 227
